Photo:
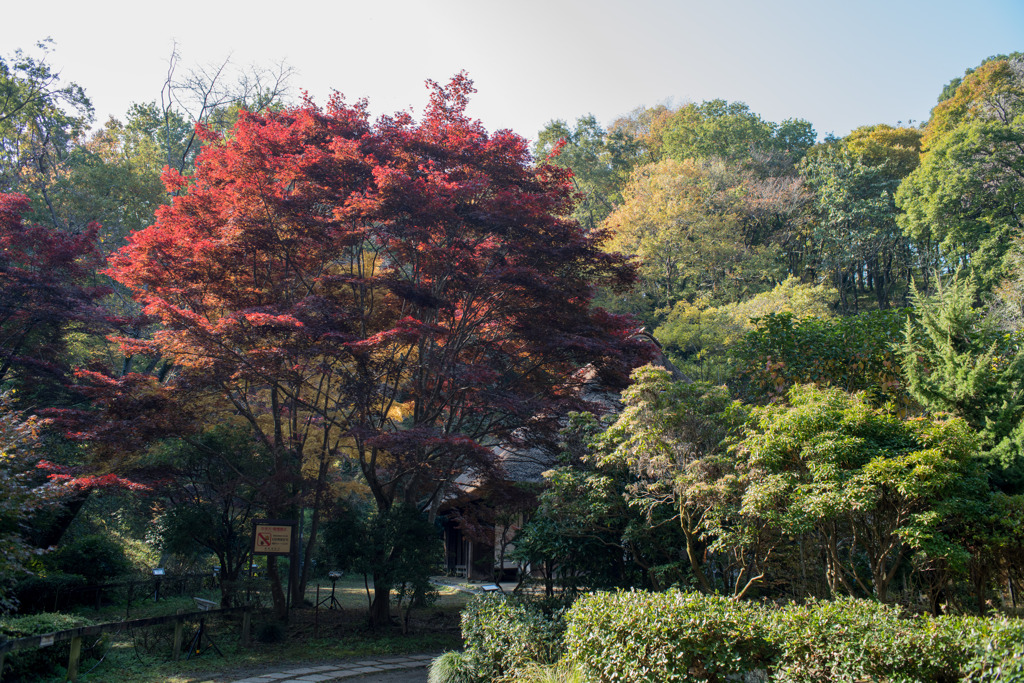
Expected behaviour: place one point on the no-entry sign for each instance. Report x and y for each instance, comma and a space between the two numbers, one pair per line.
272, 537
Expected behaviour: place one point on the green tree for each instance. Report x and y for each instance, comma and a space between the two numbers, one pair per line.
716, 128
211, 492
956, 361
600, 163
671, 436
584, 532
20, 495
865, 486
112, 177
682, 222
1005, 531
577, 533
961, 205
730, 131
40, 118
853, 353
397, 546
854, 181
699, 337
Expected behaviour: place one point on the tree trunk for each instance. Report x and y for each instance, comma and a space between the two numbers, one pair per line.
314, 525
380, 608
226, 579
979, 577
307, 552
298, 591
276, 591
694, 552
882, 589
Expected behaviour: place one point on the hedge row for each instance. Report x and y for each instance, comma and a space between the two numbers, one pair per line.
676, 636
34, 664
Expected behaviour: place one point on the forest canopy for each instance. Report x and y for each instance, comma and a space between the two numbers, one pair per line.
232, 305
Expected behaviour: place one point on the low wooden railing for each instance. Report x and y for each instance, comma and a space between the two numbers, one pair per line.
75, 635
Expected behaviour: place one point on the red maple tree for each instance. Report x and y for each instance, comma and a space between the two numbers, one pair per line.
400, 294
47, 291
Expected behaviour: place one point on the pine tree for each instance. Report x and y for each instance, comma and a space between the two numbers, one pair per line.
956, 361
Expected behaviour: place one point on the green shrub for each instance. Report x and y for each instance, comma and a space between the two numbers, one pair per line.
661, 637
505, 634
96, 557
674, 636
28, 665
849, 640
997, 650
451, 667
50, 591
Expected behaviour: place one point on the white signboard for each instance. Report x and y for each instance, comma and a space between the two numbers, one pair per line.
271, 538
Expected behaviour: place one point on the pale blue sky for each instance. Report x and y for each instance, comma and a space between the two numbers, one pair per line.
837, 64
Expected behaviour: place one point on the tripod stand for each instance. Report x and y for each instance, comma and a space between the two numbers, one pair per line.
330, 601
196, 647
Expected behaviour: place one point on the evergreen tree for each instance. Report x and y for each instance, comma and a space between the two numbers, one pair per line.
956, 361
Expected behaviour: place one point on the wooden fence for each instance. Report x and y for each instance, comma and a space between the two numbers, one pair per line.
75, 635
151, 587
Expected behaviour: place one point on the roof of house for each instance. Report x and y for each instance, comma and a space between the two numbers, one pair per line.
528, 463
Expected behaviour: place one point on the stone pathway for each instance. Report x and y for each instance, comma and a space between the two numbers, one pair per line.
343, 670
472, 587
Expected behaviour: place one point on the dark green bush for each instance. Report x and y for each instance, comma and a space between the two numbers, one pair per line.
849, 640
503, 634
96, 557
270, 632
29, 665
53, 590
674, 636
846, 640
637, 637
683, 636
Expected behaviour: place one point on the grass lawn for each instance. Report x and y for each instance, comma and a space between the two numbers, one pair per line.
312, 636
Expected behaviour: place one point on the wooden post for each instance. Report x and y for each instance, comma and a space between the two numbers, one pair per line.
179, 628
246, 626
76, 654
